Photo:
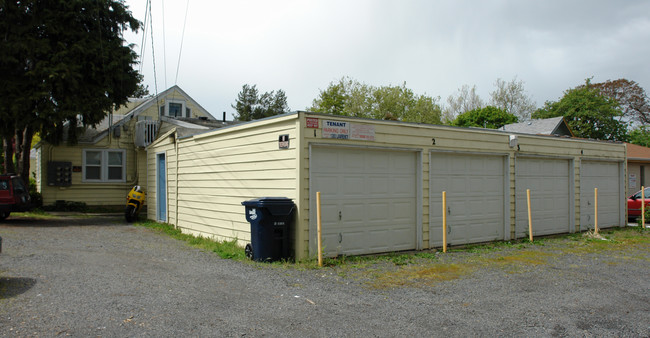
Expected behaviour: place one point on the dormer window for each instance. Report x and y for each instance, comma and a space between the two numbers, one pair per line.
175, 108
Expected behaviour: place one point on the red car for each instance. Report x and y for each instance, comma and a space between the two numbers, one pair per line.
634, 204
13, 195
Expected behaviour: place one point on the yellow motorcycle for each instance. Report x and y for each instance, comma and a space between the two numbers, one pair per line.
134, 202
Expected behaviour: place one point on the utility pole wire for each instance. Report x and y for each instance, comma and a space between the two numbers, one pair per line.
164, 43
182, 38
144, 36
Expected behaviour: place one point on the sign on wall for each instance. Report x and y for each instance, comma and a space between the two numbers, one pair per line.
283, 141
632, 181
348, 131
312, 122
336, 129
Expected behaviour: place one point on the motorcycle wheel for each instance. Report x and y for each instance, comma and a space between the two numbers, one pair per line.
129, 213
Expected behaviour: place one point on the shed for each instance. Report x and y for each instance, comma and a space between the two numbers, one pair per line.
382, 181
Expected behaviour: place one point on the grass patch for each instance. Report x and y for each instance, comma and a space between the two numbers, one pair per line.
418, 276
431, 267
225, 249
35, 213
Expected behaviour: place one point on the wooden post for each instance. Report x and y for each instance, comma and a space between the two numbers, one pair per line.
642, 207
444, 221
596, 211
318, 230
530, 217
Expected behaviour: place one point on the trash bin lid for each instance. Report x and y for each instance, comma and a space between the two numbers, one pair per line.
275, 205
266, 201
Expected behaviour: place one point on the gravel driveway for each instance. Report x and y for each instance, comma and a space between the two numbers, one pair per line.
100, 277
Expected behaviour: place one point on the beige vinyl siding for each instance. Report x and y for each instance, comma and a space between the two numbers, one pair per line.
220, 169
165, 146
95, 193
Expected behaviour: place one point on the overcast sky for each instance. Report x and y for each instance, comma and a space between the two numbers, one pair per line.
434, 46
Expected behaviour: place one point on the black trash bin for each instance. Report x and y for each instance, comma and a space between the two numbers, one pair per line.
270, 219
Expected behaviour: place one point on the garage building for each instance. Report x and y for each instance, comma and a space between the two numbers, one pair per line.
381, 182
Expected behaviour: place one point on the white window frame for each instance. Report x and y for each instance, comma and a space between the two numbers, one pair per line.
184, 108
104, 166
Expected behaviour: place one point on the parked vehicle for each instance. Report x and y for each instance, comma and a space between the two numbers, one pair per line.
634, 204
134, 202
14, 196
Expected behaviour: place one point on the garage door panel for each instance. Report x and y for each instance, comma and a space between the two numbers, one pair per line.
376, 200
475, 197
549, 182
606, 177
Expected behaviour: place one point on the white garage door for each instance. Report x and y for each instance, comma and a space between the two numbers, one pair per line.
550, 195
475, 198
606, 176
368, 200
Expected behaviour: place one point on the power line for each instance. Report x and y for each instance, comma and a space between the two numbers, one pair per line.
187, 6
164, 43
153, 54
144, 36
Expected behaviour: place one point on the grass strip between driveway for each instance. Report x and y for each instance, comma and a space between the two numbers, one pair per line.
430, 267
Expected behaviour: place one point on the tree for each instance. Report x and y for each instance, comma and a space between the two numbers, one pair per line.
488, 117
64, 63
588, 113
351, 98
465, 100
640, 136
632, 99
511, 97
252, 106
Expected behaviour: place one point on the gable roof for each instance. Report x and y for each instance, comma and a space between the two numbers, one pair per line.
135, 107
551, 126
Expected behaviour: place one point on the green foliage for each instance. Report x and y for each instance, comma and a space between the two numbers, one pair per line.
62, 205
252, 106
349, 97
62, 63
640, 136
588, 113
36, 197
633, 102
224, 249
488, 117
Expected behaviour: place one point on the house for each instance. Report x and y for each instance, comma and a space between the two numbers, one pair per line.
381, 182
553, 126
110, 158
638, 168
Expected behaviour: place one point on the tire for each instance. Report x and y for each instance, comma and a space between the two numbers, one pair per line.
129, 213
249, 251
4, 215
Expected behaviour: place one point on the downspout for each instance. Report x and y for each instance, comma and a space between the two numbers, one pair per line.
176, 146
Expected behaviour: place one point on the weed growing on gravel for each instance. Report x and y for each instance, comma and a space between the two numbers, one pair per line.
36, 213
225, 249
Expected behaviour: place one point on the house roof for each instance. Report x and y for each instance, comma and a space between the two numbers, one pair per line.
134, 107
637, 152
551, 126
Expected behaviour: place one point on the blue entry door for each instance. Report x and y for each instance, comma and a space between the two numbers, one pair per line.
161, 188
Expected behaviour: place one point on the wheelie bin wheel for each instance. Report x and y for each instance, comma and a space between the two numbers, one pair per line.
249, 251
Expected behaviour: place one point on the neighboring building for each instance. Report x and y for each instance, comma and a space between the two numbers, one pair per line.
638, 168
109, 159
382, 181
555, 126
